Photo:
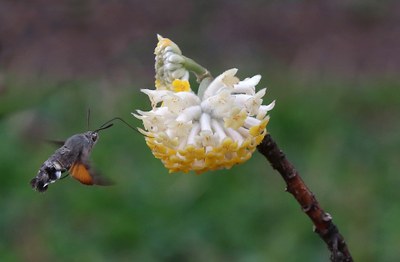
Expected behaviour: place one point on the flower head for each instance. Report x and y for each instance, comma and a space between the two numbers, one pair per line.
218, 129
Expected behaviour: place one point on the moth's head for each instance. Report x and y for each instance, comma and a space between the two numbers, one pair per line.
92, 137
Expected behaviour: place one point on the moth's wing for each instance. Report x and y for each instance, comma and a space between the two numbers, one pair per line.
83, 173
58, 143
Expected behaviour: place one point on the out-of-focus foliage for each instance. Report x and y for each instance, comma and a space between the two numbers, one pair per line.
340, 130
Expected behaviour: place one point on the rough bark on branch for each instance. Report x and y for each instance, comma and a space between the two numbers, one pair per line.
322, 221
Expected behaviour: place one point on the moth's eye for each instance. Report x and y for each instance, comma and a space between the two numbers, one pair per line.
94, 137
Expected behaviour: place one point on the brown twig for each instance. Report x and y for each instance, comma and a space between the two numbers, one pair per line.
323, 224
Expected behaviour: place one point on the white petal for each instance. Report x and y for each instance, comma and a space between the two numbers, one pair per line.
218, 83
174, 103
247, 85
263, 110
207, 138
189, 98
240, 100
243, 131
156, 96
218, 129
189, 113
178, 129
236, 136
205, 122
251, 121
138, 116
261, 93
193, 133
270, 106
219, 105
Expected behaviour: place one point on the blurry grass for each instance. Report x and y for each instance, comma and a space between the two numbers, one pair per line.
342, 136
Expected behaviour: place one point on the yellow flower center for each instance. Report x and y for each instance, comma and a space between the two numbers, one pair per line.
180, 85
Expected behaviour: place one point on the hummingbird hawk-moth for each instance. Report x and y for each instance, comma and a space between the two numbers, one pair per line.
73, 157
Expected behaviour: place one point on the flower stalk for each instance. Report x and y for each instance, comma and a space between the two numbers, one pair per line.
200, 72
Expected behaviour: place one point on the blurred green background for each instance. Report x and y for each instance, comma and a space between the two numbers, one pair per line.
332, 67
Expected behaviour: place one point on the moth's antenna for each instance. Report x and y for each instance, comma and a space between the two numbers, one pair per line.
88, 119
103, 126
